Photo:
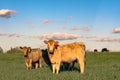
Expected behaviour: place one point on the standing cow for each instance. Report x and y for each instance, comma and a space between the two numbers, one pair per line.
32, 55
65, 53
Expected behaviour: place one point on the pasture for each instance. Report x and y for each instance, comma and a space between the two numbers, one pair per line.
99, 66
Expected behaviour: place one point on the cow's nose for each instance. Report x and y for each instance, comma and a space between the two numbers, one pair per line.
25, 55
51, 51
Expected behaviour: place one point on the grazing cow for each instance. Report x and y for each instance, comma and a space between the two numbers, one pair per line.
105, 50
32, 56
95, 50
65, 53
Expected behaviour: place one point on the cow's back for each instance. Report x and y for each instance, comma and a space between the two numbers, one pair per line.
35, 54
72, 51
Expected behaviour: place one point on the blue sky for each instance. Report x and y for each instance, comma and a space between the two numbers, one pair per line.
30, 22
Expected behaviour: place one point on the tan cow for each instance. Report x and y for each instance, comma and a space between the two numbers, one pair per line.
65, 53
32, 55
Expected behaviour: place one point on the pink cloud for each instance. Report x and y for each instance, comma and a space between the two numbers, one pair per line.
6, 13
46, 21
64, 26
1, 34
70, 17
107, 39
90, 37
85, 28
13, 35
28, 22
10, 35
117, 40
75, 28
116, 30
59, 36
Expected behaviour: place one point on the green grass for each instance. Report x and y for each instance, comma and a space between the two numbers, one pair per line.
99, 66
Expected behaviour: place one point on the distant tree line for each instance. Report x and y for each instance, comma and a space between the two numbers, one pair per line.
12, 50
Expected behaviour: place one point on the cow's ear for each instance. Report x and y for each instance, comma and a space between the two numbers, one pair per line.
29, 49
56, 44
45, 41
21, 47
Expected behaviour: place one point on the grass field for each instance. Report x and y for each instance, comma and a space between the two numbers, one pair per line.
99, 66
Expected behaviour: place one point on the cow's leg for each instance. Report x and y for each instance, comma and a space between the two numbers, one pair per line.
53, 68
36, 65
40, 62
66, 66
82, 65
30, 64
73, 64
57, 67
27, 65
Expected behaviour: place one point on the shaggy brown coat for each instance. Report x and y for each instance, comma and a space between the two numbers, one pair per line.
32, 55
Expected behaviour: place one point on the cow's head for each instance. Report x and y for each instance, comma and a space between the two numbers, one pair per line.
52, 45
26, 50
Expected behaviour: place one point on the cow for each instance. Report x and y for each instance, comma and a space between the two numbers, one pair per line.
66, 66
32, 56
104, 50
95, 50
65, 53
45, 57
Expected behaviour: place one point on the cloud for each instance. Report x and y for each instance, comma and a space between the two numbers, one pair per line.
64, 26
28, 22
75, 28
107, 39
82, 28
13, 35
117, 40
116, 30
46, 21
70, 17
59, 36
6, 13
90, 37
86, 28
10, 35
56, 36
1, 34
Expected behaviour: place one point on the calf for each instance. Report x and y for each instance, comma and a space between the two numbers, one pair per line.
32, 55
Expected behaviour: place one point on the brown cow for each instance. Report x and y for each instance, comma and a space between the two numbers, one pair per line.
32, 55
65, 53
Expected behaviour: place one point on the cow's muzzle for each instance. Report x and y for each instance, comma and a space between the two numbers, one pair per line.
51, 52
25, 55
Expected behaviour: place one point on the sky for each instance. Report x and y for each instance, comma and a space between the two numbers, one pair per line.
30, 22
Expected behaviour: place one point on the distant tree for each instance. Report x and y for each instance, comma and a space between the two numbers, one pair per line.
104, 50
14, 50
1, 50
95, 50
